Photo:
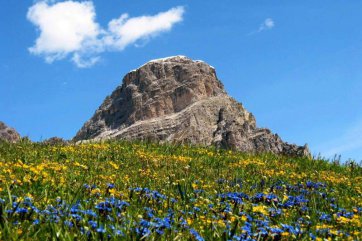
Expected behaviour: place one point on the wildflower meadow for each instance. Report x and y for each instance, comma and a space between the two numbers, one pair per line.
122, 190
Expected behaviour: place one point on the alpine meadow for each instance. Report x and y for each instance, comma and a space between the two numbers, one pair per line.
143, 191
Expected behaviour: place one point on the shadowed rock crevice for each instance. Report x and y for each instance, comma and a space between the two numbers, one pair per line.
177, 99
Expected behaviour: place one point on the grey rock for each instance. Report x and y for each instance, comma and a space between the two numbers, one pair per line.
8, 134
180, 100
53, 141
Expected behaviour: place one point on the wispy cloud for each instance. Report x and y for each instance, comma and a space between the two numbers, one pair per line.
350, 140
267, 24
125, 31
69, 28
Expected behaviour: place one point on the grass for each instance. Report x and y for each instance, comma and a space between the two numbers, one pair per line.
145, 191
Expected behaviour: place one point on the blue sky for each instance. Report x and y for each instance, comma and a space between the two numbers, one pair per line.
296, 65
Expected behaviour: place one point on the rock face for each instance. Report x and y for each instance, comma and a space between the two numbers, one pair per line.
8, 134
177, 99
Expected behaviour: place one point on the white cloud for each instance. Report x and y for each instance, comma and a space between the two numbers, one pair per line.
65, 27
267, 24
70, 28
84, 62
124, 30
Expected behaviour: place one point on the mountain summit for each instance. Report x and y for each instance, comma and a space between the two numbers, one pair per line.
177, 99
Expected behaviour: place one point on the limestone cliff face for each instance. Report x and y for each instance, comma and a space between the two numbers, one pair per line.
177, 99
8, 134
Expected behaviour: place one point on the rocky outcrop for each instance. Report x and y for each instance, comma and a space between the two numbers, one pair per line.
177, 99
8, 134
55, 141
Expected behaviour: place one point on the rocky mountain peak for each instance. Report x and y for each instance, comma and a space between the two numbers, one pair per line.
177, 99
8, 134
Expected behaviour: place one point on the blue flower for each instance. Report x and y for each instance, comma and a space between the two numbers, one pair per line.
143, 228
197, 209
69, 224
291, 229
90, 212
93, 224
276, 230
259, 197
104, 207
118, 232
21, 210
325, 217
101, 230
275, 212
247, 228
196, 235
235, 197
77, 217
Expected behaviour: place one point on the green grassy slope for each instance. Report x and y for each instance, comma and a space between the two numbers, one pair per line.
143, 191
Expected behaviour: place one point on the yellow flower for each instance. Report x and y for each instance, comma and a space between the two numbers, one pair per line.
114, 165
95, 191
28, 195
261, 209
189, 221
343, 220
285, 198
